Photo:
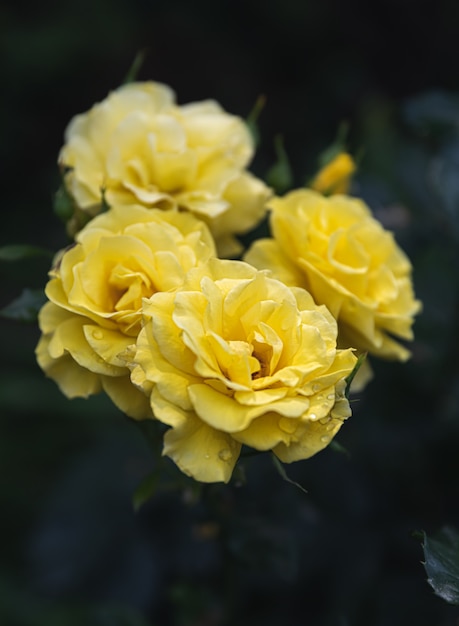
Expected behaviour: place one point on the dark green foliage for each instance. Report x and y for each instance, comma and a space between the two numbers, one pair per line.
283, 474
252, 119
19, 252
360, 360
280, 176
135, 68
441, 554
64, 206
26, 307
339, 145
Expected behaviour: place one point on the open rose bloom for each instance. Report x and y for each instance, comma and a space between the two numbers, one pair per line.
139, 147
342, 255
95, 297
235, 357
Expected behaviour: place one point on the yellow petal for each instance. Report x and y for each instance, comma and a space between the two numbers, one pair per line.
200, 451
315, 437
172, 382
108, 344
336, 175
226, 414
73, 381
267, 431
69, 337
126, 397
267, 254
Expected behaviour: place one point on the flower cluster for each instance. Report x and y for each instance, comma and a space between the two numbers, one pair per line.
224, 353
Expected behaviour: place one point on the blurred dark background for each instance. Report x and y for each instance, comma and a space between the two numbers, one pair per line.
72, 550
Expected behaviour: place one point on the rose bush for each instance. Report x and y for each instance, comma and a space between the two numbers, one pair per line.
235, 357
138, 146
344, 257
95, 296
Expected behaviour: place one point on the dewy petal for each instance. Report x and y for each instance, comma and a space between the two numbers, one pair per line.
268, 431
69, 337
225, 413
261, 397
108, 344
200, 451
315, 437
220, 411
341, 367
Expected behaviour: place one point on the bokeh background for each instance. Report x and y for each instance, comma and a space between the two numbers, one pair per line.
72, 549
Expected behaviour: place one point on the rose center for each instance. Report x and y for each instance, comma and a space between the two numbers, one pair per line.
262, 352
128, 288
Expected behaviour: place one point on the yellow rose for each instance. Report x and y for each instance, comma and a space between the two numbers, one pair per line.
95, 296
138, 146
335, 249
335, 177
235, 357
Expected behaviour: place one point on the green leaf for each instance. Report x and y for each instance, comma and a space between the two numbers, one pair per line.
252, 118
26, 307
352, 375
64, 206
337, 447
17, 252
280, 175
442, 564
280, 468
145, 490
133, 71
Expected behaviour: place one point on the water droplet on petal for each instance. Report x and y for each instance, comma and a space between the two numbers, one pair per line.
288, 426
315, 388
325, 439
207, 456
330, 426
97, 334
225, 454
331, 396
313, 417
